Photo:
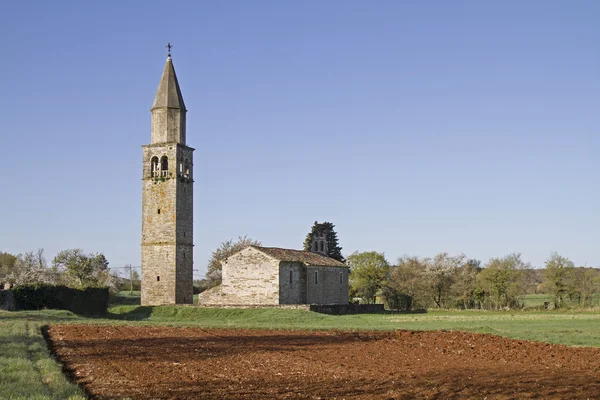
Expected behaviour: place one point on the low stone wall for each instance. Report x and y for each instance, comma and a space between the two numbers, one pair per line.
334, 309
284, 306
339, 309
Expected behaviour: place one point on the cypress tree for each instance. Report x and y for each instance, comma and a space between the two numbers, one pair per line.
333, 248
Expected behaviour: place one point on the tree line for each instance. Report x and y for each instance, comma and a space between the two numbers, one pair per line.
447, 281
72, 268
442, 281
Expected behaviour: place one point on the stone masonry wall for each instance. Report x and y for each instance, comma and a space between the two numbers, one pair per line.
158, 274
167, 228
251, 278
292, 283
327, 288
168, 126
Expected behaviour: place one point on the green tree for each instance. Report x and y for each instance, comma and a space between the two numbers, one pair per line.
503, 281
135, 279
326, 228
406, 287
368, 274
556, 276
440, 272
225, 249
83, 270
582, 284
465, 283
7, 265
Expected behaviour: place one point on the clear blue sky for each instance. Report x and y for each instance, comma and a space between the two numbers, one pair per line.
415, 127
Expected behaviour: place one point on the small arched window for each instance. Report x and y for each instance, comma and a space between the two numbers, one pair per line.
154, 167
164, 166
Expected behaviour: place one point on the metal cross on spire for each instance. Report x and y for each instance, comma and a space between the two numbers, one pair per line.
169, 46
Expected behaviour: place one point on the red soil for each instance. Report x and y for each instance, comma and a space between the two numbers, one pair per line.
191, 363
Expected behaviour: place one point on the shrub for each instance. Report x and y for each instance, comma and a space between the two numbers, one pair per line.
89, 301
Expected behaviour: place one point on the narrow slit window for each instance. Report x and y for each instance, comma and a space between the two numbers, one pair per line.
291, 277
158, 211
341, 278
158, 279
316, 277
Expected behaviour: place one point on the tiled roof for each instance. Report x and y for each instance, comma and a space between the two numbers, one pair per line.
305, 257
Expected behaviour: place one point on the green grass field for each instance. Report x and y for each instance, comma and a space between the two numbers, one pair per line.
27, 371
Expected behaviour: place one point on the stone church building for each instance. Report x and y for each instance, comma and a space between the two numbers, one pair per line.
273, 276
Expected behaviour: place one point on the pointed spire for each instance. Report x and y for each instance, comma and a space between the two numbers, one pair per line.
168, 94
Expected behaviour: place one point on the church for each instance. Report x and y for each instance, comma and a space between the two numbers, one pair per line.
273, 276
253, 276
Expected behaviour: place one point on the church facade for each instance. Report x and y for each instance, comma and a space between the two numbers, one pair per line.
274, 276
167, 200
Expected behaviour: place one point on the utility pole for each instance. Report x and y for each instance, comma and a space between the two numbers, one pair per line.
130, 268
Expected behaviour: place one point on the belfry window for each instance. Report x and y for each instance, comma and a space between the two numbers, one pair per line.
316, 246
187, 168
154, 167
164, 166
322, 245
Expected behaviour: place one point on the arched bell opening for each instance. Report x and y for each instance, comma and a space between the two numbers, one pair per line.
154, 170
164, 166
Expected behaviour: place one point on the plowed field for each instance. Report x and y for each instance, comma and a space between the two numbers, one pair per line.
192, 363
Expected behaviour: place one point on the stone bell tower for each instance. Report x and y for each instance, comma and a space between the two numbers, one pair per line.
167, 200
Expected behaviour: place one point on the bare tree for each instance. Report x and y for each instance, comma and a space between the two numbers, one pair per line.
226, 249
30, 268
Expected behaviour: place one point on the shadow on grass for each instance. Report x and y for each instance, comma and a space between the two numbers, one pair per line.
125, 300
140, 313
68, 372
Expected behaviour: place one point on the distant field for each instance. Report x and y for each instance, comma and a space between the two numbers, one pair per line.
536, 300
570, 328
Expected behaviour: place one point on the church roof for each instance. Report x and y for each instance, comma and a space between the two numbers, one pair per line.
306, 257
168, 94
